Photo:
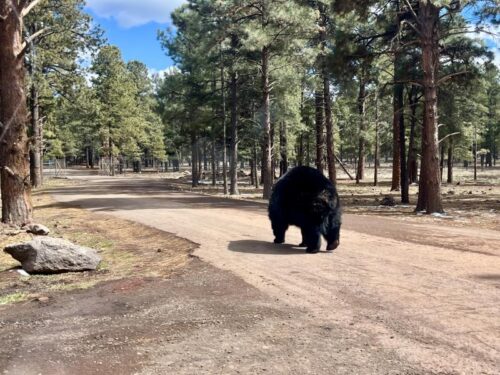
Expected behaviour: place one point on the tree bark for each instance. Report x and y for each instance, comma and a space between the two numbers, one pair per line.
14, 150
266, 131
429, 198
320, 126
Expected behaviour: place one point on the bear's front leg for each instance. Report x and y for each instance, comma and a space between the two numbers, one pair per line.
303, 243
312, 237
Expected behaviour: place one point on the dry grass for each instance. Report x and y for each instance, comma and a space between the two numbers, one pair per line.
127, 249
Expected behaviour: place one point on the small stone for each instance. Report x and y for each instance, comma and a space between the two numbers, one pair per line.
37, 229
388, 201
43, 299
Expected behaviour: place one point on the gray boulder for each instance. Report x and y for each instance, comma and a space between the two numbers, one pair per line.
51, 255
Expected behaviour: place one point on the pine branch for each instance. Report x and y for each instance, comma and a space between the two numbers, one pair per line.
449, 76
30, 40
449, 135
26, 9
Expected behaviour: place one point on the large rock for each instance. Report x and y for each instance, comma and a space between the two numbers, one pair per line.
50, 255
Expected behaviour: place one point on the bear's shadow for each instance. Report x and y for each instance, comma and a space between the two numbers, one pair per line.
263, 247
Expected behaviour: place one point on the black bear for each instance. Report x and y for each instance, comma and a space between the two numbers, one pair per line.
307, 199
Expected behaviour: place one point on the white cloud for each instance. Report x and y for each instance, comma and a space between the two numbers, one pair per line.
490, 35
162, 72
130, 13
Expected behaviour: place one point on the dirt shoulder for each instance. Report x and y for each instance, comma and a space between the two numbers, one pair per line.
127, 249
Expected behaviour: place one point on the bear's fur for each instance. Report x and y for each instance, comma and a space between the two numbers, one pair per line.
305, 198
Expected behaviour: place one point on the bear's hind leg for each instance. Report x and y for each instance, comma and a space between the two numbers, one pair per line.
279, 230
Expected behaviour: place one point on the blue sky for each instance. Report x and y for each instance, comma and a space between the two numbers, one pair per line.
132, 25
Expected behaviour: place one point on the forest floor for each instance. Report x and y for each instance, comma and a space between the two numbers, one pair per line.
466, 202
192, 284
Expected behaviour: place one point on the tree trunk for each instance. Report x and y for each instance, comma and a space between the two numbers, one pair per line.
429, 198
360, 171
397, 114
441, 162
273, 152
412, 150
266, 135
300, 151
205, 155
194, 161
14, 151
405, 195
36, 146
283, 149
377, 157
233, 170
199, 157
214, 159
255, 165
308, 150
450, 161
87, 157
223, 120
330, 141
330, 147
320, 126
252, 174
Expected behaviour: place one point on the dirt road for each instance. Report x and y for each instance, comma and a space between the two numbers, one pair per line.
396, 297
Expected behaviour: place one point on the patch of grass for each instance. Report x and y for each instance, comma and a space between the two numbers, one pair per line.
13, 298
126, 248
74, 286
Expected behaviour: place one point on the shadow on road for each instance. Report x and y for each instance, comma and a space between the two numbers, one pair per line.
488, 276
262, 247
